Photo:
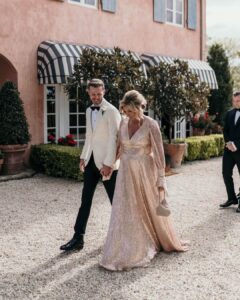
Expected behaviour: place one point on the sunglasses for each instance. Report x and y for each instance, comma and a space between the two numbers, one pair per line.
236, 94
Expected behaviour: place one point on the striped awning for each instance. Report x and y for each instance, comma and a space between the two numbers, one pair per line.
56, 60
201, 68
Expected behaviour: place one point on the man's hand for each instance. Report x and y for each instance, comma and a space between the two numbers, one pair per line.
231, 146
82, 165
106, 170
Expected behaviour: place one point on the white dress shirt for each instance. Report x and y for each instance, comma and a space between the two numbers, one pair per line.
237, 115
94, 116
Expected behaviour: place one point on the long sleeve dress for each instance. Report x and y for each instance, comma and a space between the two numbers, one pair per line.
136, 233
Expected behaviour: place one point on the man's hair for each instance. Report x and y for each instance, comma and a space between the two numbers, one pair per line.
237, 93
95, 82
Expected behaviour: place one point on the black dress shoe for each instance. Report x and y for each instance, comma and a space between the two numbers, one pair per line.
229, 203
238, 209
73, 244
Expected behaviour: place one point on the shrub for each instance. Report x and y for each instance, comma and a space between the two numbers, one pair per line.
57, 161
203, 147
13, 122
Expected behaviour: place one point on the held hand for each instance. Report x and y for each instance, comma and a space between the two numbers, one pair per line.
106, 170
82, 165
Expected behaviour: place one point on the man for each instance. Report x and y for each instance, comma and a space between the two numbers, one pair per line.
98, 156
231, 156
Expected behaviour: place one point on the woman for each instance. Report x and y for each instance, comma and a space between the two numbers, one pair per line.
136, 233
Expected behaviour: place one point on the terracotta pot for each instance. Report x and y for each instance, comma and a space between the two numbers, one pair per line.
176, 152
198, 131
13, 158
1, 164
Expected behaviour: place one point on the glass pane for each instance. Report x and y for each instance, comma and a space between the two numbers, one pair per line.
51, 92
82, 120
81, 107
73, 120
73, 131
51, 132
90, 2
81, 132
170, 4
178, 18
79, 1
50, 107
51, 121
179, 5
170, 16
72, 106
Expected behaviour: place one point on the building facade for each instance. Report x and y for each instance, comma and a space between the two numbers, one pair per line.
167, 28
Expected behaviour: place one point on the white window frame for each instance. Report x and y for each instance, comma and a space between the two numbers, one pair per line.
62, 113
57, 109
174, 14
82, 3
180, 128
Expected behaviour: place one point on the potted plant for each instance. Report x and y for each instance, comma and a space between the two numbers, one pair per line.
173, 92
14, 134
1, 160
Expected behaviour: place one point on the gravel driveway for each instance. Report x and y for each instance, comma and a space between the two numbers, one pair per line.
37, 215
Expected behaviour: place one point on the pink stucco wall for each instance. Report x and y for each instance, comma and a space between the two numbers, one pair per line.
24, 24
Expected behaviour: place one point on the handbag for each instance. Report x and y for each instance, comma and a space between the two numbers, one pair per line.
162, 208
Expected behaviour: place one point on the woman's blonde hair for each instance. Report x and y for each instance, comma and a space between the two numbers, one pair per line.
134, 99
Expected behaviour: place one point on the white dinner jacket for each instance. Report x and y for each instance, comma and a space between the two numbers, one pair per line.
102, 141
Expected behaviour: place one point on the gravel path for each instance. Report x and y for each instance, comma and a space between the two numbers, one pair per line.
37, 215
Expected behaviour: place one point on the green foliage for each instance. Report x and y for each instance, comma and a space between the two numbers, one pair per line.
205, 147
232, 50
120, 73
220, 100
13, 123
174, 91
57, 161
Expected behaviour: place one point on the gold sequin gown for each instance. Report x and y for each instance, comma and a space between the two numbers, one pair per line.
136, 233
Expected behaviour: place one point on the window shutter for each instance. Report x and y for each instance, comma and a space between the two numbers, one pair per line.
109, 5
159, 13
192, 14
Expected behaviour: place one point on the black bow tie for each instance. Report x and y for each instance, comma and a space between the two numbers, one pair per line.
237, 109
95, 107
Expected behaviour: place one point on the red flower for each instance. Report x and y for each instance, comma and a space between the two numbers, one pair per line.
51, 137
69, 137
60, 140
72, 143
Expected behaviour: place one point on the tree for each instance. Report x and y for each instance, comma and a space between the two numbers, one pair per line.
13, 123
174, 91
232, 50
120, 73
220, 100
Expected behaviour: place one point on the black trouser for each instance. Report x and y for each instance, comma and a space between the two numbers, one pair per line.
230, 159
91, 178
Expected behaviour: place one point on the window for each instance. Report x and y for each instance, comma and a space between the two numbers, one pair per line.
174, 12
180, 128
50, 109
62, 115
77, 121
89, 3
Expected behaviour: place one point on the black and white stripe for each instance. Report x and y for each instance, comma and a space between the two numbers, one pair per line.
56, 60
201, 68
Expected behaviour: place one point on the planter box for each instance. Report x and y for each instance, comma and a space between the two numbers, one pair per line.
175, 152
13, 158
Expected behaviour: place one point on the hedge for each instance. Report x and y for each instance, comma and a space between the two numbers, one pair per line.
56, 160
63, 161
203, 147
